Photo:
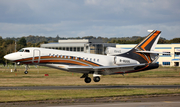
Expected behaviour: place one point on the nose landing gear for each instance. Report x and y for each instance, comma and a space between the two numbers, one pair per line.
25, 72
26, 67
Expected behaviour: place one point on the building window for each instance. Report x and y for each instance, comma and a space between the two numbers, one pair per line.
70, 48
78, 49
74, 48
67, 48
167, 54
177, 53
82, 49
166, 63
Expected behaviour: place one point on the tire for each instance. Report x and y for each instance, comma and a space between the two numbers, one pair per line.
25, 72
87, 80
96, 79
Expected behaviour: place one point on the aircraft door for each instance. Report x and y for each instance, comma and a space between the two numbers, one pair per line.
36, 56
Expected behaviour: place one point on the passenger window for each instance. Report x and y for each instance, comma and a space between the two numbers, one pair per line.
97, 60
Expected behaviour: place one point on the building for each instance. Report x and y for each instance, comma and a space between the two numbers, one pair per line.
170, 59
94, 46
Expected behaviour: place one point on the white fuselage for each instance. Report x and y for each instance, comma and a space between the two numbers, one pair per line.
63, 59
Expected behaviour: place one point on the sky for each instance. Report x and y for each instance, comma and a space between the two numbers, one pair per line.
79, 18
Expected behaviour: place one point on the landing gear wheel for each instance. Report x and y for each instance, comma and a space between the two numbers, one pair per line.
87, 80
26, 72
96, 79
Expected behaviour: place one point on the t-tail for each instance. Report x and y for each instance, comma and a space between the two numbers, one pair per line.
144, 51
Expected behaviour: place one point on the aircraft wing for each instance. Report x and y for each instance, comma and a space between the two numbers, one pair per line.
92, 68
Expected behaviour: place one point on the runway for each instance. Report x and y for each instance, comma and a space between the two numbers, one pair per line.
130, 104
87, 87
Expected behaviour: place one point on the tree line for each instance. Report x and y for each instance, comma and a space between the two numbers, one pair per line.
7, 45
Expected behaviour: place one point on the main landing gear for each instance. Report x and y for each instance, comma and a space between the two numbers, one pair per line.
88, 79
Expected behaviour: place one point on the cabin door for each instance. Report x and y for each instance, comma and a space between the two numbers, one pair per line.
36, 56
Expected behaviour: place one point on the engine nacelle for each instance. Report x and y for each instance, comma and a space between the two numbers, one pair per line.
111, 51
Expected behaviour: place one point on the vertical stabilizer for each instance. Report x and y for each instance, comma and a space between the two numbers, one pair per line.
149, 43
143, 52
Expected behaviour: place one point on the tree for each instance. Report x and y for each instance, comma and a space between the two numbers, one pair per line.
22, 42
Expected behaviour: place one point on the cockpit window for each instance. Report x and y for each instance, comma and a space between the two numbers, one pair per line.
26, 51
22, 50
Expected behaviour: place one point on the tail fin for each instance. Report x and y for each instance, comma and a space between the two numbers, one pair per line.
149, 43
144, 51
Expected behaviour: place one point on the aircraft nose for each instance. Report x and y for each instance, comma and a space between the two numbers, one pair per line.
9, 57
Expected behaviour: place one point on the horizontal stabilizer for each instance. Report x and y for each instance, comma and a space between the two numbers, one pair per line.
149, 52
155, 52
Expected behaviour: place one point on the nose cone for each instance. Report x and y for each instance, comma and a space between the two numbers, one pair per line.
10, 57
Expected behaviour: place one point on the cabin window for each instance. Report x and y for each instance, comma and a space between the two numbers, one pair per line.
26, 51
97, 60
22, 50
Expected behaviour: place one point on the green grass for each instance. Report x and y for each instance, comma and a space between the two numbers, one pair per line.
33, 95
35, 77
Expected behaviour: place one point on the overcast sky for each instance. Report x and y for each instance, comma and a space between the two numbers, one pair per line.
73, 18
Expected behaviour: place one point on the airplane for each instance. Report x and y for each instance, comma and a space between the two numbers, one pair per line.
140, 58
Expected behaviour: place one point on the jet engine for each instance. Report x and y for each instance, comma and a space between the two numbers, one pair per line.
111, 51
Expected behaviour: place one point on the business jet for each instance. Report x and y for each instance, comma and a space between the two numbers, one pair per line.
117, 61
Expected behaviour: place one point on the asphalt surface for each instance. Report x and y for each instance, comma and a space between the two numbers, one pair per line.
132, 104
86, 87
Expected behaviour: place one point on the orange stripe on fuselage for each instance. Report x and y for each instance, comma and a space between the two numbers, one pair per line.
150, 39
63, 61
50, 59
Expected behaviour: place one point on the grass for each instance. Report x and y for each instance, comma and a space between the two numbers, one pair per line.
35, 77
34, 95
